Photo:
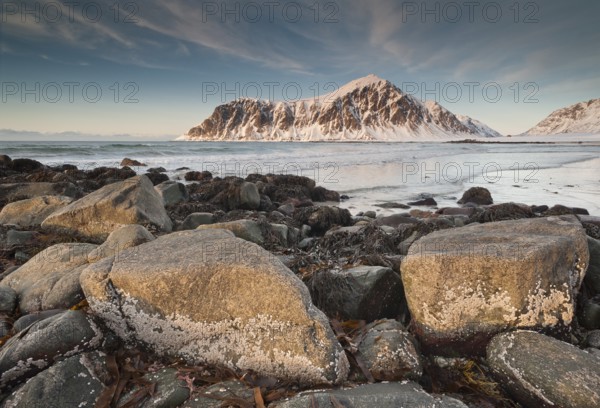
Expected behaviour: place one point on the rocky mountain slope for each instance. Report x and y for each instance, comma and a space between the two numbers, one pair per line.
368, 108
583, 117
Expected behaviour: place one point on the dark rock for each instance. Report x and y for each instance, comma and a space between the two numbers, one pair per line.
393, 205
107, 175
169, 390
321, 194
77, 381
477, 195
22, 191
539, 209
362, 293
389, 395
287, 209
592, 276
505, 212
194, 220
540, 371
198, 176
468, 211
429, 201
131, 163
27, 320
172, 192
20, 238
389, 352
182, 168
215, 395
44, 343
157, 178
559, 210
395, 220
321, 219
26, 165
593, 339
590, 314
157, 170
8, 300
5, 161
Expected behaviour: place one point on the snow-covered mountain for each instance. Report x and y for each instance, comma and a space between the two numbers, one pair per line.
583, 117
368, 108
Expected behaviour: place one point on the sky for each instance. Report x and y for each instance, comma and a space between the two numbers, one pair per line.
157, 68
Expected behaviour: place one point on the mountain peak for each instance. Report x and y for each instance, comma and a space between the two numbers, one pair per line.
583, 117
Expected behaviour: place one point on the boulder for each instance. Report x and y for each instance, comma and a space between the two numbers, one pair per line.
31, 212
215, 395
76, 382
133, 201
172, 192
428, 202
194, 220
23, 191
244, 229
389, 395
157, 178
361, 293
505, 212
5, 161
16, 238
540, 371
50, 280
8, 300
592, 277
321, 219
27, 320
44, 343
477, 195
208, 297
125, 237
389, 352
131, 163
169, 390
26, 165
463, 285
197, 175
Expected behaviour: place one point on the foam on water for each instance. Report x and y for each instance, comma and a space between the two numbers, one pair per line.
369, 173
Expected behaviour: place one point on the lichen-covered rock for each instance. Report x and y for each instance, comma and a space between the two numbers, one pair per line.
244, 229
540, 371
207, 296
125, 237
133, 201
50, 280
76, 382
44, 343
31, 212
389, 352
361, 293
464, 285
389, 395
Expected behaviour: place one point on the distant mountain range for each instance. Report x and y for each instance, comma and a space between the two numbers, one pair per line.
367, 109
583, 117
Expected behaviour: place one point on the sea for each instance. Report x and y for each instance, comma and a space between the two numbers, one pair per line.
367, 173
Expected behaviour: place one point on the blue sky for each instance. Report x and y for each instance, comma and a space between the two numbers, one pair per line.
157, 68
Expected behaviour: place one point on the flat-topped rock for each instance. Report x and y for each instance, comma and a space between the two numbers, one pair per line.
464, 285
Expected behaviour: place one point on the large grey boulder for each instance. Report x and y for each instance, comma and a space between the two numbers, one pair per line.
132, 201
361, 293
389, 395
172, 192
464, 285
32, 212
209, 297
50, 280
76, 382
194, 220
245, 229
540, 371
44, 343
125, 237
389, 352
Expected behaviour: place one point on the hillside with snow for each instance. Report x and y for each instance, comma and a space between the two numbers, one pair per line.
583, 118
367, 109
